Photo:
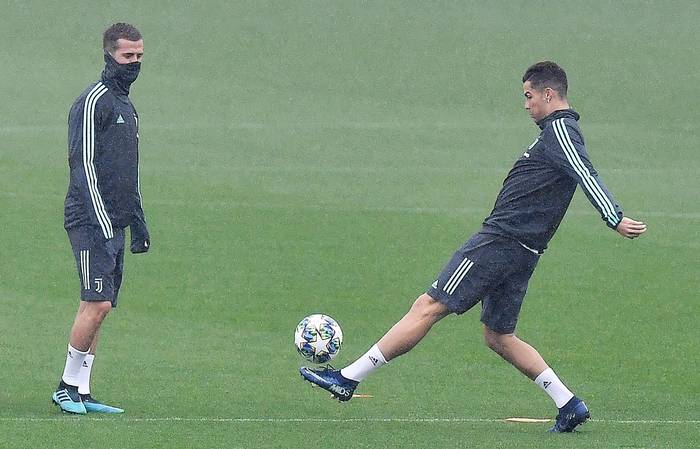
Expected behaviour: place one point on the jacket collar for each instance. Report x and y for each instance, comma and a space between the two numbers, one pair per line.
119, 77
570, 113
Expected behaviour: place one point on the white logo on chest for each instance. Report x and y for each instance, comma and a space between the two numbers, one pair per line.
527, 153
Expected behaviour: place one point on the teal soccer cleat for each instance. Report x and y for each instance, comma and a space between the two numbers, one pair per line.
68, 399
92, 405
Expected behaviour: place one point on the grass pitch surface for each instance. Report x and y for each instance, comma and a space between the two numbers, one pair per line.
329, 157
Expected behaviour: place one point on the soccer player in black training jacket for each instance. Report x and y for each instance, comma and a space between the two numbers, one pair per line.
103, 198
494, 266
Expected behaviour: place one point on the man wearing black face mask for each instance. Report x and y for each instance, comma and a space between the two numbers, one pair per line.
103, 199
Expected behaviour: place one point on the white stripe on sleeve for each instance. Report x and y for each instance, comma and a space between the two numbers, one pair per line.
588, 181
88, 159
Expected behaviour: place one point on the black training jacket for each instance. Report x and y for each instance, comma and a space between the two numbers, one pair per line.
539, 188
103, 157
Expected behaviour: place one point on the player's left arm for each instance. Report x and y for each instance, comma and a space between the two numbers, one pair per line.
140, 238
569, 153
631, 228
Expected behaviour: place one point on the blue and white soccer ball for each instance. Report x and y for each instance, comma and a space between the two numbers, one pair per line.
318, 338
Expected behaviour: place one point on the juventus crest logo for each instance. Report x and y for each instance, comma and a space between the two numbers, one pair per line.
98, 285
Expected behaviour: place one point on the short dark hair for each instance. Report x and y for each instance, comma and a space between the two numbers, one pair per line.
547, 74
119, 31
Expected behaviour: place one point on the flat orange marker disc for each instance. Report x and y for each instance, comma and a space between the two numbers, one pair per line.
528, 420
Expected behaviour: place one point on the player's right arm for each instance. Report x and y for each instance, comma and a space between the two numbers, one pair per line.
84, 125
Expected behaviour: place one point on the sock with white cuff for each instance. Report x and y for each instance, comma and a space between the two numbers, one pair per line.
550, 383
365, 365
74, 362
84, 374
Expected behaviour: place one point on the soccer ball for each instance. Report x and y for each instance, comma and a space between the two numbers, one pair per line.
318, 338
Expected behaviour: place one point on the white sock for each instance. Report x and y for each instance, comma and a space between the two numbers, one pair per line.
84, 374
74, 361
550, 383
363, 366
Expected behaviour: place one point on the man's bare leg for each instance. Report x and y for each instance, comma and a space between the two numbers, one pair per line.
526, 359
400, 339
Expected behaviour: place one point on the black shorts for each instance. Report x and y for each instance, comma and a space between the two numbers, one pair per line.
100, 262
488, 268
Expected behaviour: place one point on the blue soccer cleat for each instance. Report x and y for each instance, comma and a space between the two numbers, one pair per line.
67, 397
92, 405
330, 380
572, 414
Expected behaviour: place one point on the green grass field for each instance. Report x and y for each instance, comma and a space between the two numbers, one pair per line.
328, 156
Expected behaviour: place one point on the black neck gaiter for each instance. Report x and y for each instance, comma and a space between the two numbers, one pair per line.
120, 75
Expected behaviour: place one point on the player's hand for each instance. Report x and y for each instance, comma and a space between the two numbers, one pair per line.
140, 240
140, 246
631, 228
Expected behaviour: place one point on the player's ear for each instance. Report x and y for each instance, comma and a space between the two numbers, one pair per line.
549, 94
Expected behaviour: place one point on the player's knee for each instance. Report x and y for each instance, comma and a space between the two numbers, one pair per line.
427, 307
96, 310
497, 342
